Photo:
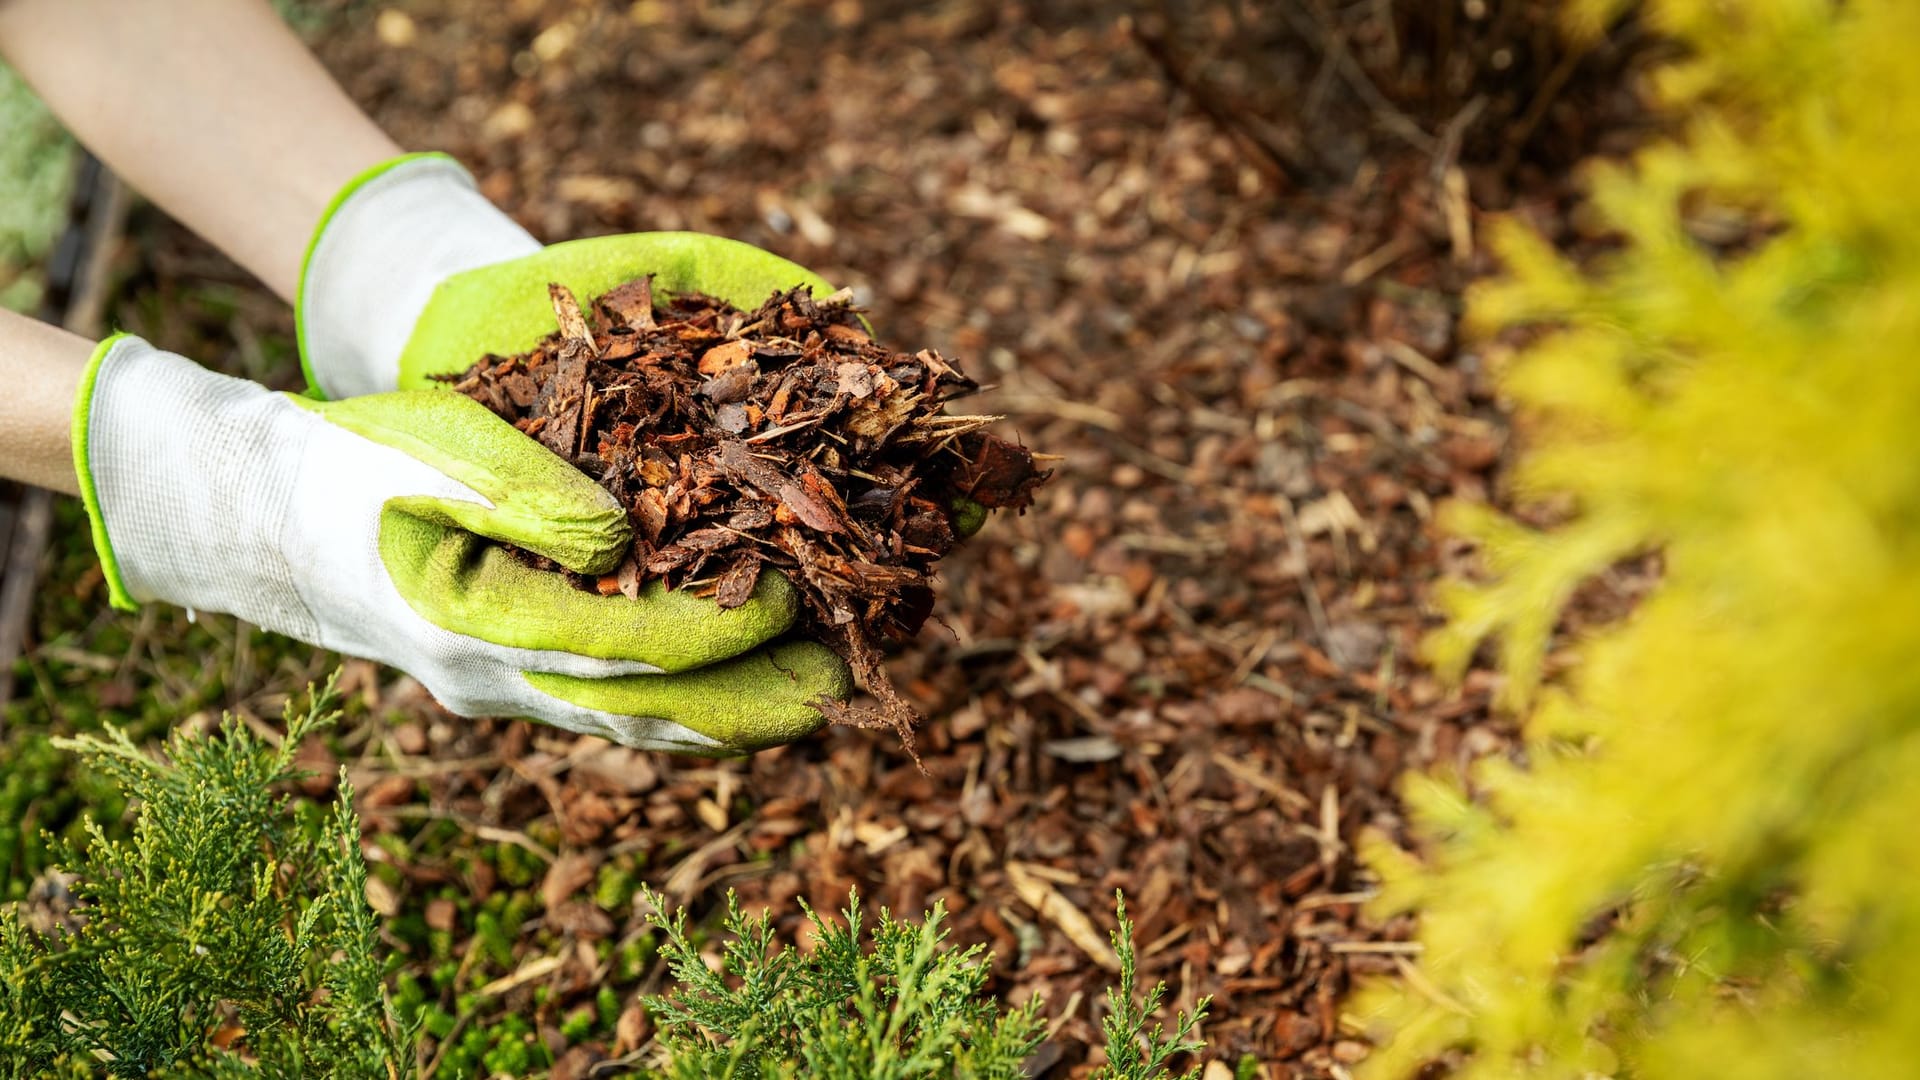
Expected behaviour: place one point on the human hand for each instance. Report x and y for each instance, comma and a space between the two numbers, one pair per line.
413, 274
363, 526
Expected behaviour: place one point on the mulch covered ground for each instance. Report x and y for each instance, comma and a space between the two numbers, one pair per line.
1216, 263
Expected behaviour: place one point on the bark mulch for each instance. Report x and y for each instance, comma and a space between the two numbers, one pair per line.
781, 438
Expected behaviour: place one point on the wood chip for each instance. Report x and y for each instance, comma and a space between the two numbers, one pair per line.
630, 305
1047, 902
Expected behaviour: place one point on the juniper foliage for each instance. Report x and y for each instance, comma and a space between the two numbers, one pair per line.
1133, 1052
219, 920
226, 939
897, 1006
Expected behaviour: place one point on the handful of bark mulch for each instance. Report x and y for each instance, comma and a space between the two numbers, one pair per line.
782, 437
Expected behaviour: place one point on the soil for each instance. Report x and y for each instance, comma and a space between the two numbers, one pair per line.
1213, 255
781, 438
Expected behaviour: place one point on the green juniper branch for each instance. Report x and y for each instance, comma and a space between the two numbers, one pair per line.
227, 912
218, 912
1134, 1053
900, 1005
906, 1007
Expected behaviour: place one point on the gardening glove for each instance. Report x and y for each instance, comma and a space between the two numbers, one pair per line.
363, 525
412, 274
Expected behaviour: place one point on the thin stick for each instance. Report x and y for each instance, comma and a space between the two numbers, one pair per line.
1543, 99
33, 521
1304, 572
1321, 24
96, 214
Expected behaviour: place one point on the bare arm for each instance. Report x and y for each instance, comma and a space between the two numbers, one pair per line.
211, 108
41, 367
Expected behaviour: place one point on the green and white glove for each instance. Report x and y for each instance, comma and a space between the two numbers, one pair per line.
358, 526
412, 273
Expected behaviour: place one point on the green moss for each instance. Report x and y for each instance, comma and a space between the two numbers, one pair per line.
579, 1024
614, 886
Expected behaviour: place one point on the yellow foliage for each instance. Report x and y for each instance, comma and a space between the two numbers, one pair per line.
1710, 863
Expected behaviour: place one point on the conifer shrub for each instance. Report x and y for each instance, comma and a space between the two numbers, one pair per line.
222, 938
227, 935
893, 1004
1705, 864
896, 1006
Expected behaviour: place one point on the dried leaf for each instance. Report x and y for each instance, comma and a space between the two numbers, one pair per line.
569, 874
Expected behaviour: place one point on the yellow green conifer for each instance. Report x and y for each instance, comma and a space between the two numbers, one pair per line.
1708, 863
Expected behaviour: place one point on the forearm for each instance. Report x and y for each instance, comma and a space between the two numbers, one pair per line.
41, 366
211, 108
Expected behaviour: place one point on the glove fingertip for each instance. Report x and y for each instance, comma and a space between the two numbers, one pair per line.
767, 698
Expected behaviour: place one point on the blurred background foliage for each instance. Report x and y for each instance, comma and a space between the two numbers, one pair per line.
36, 171
1704, 864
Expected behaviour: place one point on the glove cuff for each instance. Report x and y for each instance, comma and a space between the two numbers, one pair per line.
391, 236
83, 467
187, 476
